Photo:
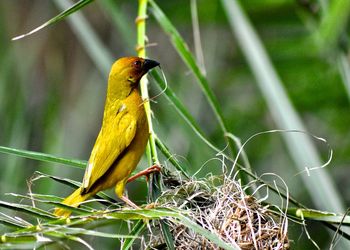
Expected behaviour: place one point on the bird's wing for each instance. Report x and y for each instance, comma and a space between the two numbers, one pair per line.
115, 136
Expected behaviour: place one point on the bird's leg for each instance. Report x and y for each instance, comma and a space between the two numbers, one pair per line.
146, 172
129, 202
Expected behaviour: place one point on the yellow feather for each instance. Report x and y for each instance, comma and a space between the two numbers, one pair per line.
123, 135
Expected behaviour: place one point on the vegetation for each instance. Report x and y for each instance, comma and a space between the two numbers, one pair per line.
251, 93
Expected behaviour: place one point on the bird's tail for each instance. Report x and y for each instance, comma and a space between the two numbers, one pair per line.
73, 200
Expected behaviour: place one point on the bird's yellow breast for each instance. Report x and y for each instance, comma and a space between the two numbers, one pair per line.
126, 162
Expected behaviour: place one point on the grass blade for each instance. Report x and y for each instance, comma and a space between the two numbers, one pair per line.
43, 157
23, 242
303, 151
169, 157
333, 25
323, 216
74, 184
168, 237
174, 215
338, 38
57, 18
36, 212
122, 24
344, 68
13, 222
183, 50
83, 231
181, 109
88, 38
137, 229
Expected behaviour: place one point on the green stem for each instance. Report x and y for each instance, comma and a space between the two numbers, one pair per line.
154, 184
141, 51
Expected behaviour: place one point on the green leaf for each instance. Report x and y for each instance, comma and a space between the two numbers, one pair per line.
183, 50
39, 213
79, 231
55, 203
168, 237
333, 26
57, 18
181, 109
121, 22
318, 215
43, 157
137, 229
173, 215
14, 222
319, 183
94, 46
74, 184
170, 157
23, 242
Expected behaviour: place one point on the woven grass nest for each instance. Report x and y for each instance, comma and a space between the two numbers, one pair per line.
219, 205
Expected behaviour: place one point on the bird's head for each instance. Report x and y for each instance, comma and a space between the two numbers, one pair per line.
131, 69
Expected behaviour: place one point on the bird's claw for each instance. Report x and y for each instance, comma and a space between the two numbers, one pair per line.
146, 172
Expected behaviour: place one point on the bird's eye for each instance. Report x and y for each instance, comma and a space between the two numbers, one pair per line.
137, 64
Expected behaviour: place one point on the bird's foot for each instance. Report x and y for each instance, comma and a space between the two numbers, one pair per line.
151, 205
146, 172
129, 202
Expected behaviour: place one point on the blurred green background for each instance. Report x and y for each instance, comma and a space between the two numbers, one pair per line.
52, 89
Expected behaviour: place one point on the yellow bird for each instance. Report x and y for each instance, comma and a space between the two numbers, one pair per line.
122, 138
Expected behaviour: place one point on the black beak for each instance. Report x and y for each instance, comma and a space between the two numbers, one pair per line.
150, 64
